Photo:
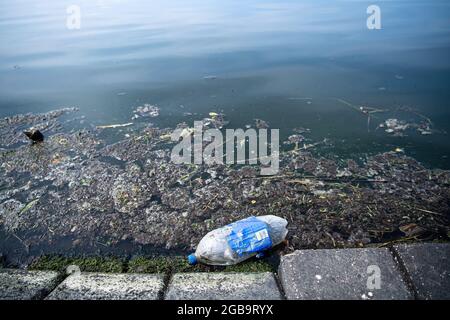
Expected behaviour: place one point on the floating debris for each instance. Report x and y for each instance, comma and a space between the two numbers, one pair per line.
425, 131
301, 130
295, 139
186, 132
10, 214
412, 229
217, 121
147, 110
114, 126
261, 124
76, 186
394, 126
368, 111
397, 127
12, 128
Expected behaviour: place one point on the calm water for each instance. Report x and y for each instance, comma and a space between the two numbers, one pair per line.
266, 57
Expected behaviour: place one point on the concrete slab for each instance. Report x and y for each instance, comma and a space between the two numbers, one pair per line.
428, 266
223, 286
26, 285
103, 286
342, 274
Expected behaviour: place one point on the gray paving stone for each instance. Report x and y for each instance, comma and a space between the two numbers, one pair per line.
428, 266
341, 274
223, 286
103, 286
26, 285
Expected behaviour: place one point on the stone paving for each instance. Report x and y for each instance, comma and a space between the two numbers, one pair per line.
418, 271
223, 286
342, 274
428, 268
26, 285
97, 286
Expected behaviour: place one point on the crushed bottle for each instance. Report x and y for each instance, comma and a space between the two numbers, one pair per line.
240, 240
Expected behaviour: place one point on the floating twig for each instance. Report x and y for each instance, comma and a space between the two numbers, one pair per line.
113, 126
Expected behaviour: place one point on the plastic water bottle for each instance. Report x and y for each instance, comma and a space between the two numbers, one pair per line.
240, 240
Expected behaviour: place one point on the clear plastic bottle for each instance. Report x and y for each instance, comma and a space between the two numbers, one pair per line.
240, 240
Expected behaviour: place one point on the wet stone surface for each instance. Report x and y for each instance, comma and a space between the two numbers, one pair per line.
342, 274
26, 285
98, 286
223, 286
428, 266
80, 189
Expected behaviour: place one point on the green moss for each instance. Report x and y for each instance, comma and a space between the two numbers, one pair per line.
251, 266
179, 264
149, 265
87, 264
142, 264
162, 265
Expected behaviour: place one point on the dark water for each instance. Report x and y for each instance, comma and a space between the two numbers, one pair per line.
266, 57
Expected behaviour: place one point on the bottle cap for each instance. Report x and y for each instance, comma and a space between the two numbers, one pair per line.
192, 259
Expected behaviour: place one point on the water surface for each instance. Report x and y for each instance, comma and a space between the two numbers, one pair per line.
266, 57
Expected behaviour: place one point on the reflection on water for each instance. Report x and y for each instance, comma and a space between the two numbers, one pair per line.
266, 58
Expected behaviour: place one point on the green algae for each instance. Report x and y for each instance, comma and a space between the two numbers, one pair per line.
141, 264
86, 264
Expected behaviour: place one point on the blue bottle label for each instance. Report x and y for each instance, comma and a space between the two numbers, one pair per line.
249, 236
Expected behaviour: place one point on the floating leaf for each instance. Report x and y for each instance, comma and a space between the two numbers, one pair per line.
28, 206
